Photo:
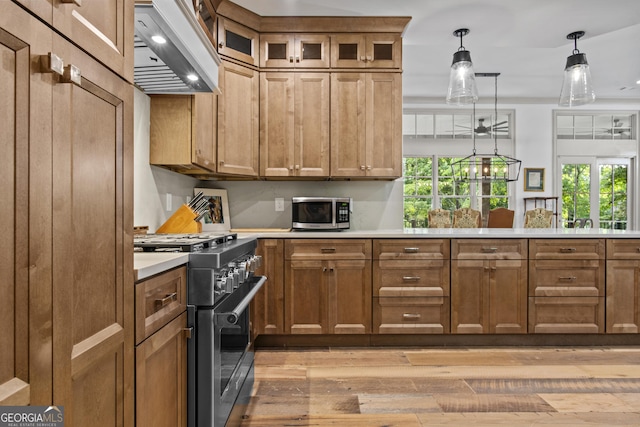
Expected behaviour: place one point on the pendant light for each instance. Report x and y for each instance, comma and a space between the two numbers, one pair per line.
486, 167
576, 88
462, 82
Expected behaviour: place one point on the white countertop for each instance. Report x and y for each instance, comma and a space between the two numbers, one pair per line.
528, 233
146, 264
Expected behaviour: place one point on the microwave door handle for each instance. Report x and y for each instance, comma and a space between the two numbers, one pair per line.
334, 220
231, 317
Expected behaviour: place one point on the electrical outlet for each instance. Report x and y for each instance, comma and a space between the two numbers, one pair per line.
279, 204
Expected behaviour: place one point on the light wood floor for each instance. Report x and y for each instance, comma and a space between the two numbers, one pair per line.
410, 387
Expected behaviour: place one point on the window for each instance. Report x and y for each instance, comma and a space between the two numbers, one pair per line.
592, 183
432, 141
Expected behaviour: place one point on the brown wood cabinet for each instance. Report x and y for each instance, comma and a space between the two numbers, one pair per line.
104, 28
161, 350
366, 125
238, 120
294, 50
623, 285
68, 278
566, 285
488, 286
327, 286
183, 132
294, 125
411, 286
366, 51
267, 307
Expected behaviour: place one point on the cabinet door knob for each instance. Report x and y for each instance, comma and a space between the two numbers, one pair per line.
188, 332
297, 59
221, 45
291, 59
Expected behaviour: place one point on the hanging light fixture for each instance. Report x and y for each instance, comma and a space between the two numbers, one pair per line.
487, 167
462, 82
576, 88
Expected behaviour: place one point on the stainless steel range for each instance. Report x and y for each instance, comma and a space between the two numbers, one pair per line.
221, 284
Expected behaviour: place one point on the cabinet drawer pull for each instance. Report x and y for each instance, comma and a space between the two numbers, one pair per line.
410, 316
411, 250
411, 278
166, 300
567, 278
637, 249
489, 250
291, 59
76, 2
567, 250
52, 63
327, 250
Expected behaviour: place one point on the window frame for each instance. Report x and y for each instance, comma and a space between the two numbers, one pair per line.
456, 148
595, 151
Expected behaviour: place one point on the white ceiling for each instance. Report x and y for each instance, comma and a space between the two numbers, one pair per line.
524, 40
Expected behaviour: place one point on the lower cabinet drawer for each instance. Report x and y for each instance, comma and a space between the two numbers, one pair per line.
566, 315
159, 300
411, 315
571, 278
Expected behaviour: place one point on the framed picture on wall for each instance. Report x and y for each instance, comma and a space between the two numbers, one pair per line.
216, 217
534, 179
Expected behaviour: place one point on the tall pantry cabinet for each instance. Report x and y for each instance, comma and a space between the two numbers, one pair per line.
66, 165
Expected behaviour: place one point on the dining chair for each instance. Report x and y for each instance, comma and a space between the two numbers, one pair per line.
500, 218
538, 218
467, 218
439, 218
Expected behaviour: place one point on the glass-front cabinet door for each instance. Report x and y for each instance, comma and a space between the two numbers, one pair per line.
237, 41
366, 51
294, 51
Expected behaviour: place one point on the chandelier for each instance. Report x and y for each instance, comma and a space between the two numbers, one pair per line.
486, 167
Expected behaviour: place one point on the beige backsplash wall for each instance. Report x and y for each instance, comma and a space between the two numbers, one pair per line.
377, 204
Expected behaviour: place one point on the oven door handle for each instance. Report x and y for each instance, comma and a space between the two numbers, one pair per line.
231, 317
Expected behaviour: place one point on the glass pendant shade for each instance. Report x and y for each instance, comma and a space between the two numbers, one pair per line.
462, 82
577, 88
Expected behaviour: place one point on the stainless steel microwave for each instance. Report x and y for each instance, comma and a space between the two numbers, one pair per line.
321, 213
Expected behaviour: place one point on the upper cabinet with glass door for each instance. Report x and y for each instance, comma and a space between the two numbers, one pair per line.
366, 51
237, 41
595, 126
294, 51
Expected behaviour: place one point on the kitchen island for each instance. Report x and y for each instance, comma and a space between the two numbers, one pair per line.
458, 286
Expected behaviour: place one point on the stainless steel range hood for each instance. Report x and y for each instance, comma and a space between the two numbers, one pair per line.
186, 62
